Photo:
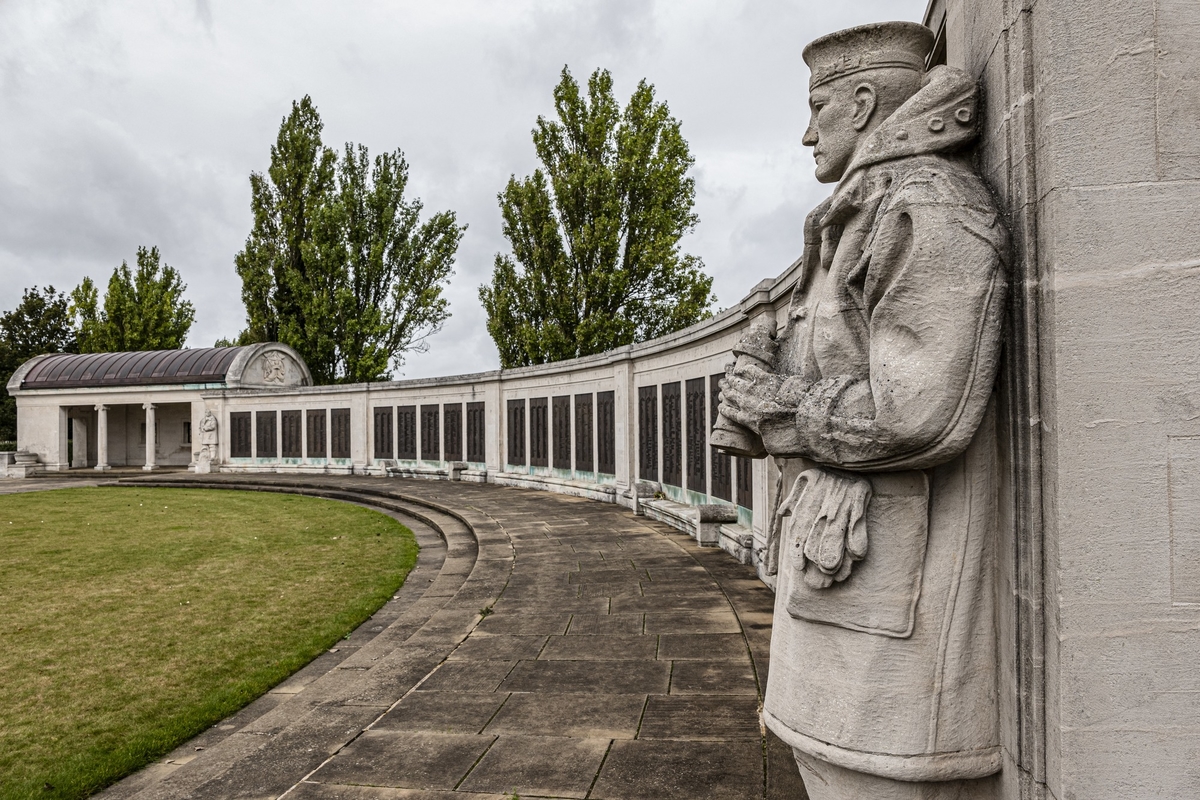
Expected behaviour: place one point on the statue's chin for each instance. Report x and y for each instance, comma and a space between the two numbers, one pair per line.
828, 175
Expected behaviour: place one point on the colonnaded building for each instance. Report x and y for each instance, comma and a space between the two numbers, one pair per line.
1089, 141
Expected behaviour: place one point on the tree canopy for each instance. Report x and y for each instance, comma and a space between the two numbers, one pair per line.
339, 264
41, 323
142, 310
596, 261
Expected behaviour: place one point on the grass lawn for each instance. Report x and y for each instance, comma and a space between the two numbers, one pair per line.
132, 619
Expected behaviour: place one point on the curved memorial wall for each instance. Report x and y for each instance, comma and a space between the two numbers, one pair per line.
627, 426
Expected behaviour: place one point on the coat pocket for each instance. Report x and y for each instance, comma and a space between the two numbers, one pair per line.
880, 595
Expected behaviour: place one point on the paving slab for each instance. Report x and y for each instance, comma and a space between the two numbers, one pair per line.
405, 759
702, 646
610, 677
309, 790
499, 646
593, 624
601, 647
701, 717
589, 716
687, 621
525, 623
646, 769
713, 677
546, 766
467, 676
442, 712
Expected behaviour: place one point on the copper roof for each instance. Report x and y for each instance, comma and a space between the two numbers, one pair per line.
69, 371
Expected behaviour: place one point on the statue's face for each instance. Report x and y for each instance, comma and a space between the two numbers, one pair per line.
834, 128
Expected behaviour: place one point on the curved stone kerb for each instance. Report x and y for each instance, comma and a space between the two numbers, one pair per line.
349, 691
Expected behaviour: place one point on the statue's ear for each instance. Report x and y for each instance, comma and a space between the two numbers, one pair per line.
865, 102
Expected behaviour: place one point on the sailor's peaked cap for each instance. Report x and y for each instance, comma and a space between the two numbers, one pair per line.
882, 44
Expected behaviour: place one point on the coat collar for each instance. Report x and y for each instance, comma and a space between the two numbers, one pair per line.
940, 118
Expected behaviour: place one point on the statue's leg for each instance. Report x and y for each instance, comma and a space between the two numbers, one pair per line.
825, 781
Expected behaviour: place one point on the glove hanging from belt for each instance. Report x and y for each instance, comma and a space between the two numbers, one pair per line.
824, 517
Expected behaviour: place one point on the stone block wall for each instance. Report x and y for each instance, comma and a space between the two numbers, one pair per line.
1093, 111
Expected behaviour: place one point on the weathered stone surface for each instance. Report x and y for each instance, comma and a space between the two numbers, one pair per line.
406, 759
872, 397
679, 770
442, 712
538, 765
701, 717
586, 715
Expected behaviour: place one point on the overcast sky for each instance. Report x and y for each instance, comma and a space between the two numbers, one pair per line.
126, 124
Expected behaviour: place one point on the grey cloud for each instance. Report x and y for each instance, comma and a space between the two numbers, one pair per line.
138, 123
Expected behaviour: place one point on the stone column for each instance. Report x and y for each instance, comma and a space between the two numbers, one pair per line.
150, 443
102, 437
79, 438
60, 461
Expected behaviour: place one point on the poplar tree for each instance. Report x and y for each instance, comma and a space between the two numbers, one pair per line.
141, 310
596, 261
339, 264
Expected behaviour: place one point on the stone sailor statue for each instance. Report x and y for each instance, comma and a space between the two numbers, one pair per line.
208, 441
875, 399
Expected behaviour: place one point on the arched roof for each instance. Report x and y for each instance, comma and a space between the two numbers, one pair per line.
157, 367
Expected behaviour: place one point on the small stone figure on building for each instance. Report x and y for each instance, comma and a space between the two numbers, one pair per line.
874, 398
208, 442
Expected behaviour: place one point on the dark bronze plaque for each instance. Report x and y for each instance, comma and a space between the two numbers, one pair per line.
583, 433
606, 433
561, 408
452, 442
516, 433
722, 463
697, 433
383, 418
339, 425
539, 432
648, 433
672, 433
745, 482
476, 433
431, 439
240, 438
264, 434
315, 420
289, 424
406, 427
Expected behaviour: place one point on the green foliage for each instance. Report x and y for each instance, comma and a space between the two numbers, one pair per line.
338, 264
134, 618
41, 323
596, 261
142, 310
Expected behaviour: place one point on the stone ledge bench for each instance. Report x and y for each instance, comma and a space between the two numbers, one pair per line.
710, 524
605, 493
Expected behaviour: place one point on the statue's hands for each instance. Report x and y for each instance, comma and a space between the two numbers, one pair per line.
753, 397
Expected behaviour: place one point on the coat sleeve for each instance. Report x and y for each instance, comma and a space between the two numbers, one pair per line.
933, 291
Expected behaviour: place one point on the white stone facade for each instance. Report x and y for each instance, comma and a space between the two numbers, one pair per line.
1091, 147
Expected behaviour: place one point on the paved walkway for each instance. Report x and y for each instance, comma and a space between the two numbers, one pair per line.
545, 646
